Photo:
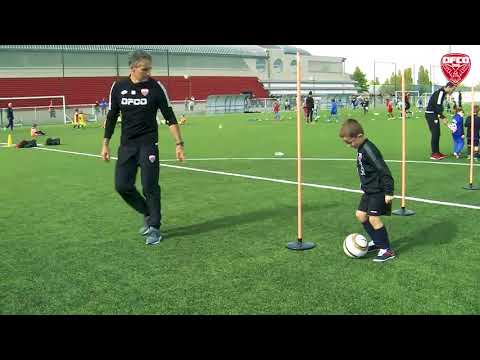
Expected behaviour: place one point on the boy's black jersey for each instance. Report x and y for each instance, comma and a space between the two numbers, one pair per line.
375, 176
138, 104
435, 104
476, 127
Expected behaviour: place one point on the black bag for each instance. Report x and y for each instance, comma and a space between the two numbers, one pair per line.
24, 144
53, 141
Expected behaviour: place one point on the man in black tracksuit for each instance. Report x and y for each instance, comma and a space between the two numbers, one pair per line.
138, 99
433, 115
310, 103
10, 116
377, 185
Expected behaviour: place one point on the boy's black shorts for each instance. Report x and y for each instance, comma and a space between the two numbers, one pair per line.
374, 205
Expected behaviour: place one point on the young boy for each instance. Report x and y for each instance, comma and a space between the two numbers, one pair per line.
377, 185
476, 129
390, 109
276, 110
457, 132
183, 120
333, 112
365, 104
34, 132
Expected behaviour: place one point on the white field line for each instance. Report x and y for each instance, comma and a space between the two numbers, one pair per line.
428, 201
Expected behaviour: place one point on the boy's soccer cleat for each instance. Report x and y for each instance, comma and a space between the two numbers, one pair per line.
153, 236
144, 229
384, 255
371, 246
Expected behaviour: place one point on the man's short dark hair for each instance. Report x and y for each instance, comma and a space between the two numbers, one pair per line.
138, 55
450, 84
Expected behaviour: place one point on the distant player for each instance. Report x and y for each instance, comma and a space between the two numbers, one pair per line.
276, 110
310, 103
390, 109
183, 120
476, 135
34, 131
365, 104
82, 120
333, 111
420, 104
377, 184
457, 132
407, 104
75, 119
9, 116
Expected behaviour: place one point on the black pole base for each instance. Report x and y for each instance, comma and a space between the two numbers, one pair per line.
300, 245
471, 187
403, 212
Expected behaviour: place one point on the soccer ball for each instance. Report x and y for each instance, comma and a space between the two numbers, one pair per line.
355, 246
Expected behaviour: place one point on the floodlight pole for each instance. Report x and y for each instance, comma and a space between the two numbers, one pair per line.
299, 244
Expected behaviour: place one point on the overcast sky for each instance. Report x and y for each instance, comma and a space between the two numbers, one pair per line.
403, 55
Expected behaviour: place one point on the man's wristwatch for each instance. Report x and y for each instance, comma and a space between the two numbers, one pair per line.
181, 143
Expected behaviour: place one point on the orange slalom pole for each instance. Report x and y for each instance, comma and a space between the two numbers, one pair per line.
402, 211
299, 244
299, 153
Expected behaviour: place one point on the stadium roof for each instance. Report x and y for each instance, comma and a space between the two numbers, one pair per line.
287, 49
256, 51
219, 50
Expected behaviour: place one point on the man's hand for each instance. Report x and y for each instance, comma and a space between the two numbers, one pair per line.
105, 152
388, 199
179, 153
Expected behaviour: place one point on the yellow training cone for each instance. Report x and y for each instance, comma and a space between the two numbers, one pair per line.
10, 140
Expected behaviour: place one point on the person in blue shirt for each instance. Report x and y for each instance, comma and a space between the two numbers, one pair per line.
457, 132
333, 111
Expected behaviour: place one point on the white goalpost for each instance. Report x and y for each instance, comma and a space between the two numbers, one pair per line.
29, 111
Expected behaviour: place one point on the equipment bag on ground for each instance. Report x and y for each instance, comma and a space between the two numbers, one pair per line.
27, 144
53, 141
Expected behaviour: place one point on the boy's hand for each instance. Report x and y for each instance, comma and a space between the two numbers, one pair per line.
388, 199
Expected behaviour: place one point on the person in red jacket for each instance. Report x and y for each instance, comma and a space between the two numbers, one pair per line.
390, 109
276, 109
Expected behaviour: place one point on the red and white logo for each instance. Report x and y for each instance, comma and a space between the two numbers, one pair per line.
455, 67
151, 158
144, 92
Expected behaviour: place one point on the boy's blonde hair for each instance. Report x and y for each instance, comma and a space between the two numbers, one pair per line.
350, 128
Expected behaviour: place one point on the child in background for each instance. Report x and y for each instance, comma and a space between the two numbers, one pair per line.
457, 132
390, 109
34, 132
183, 120
476, 129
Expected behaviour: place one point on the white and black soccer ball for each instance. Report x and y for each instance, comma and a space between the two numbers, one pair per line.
355, 246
